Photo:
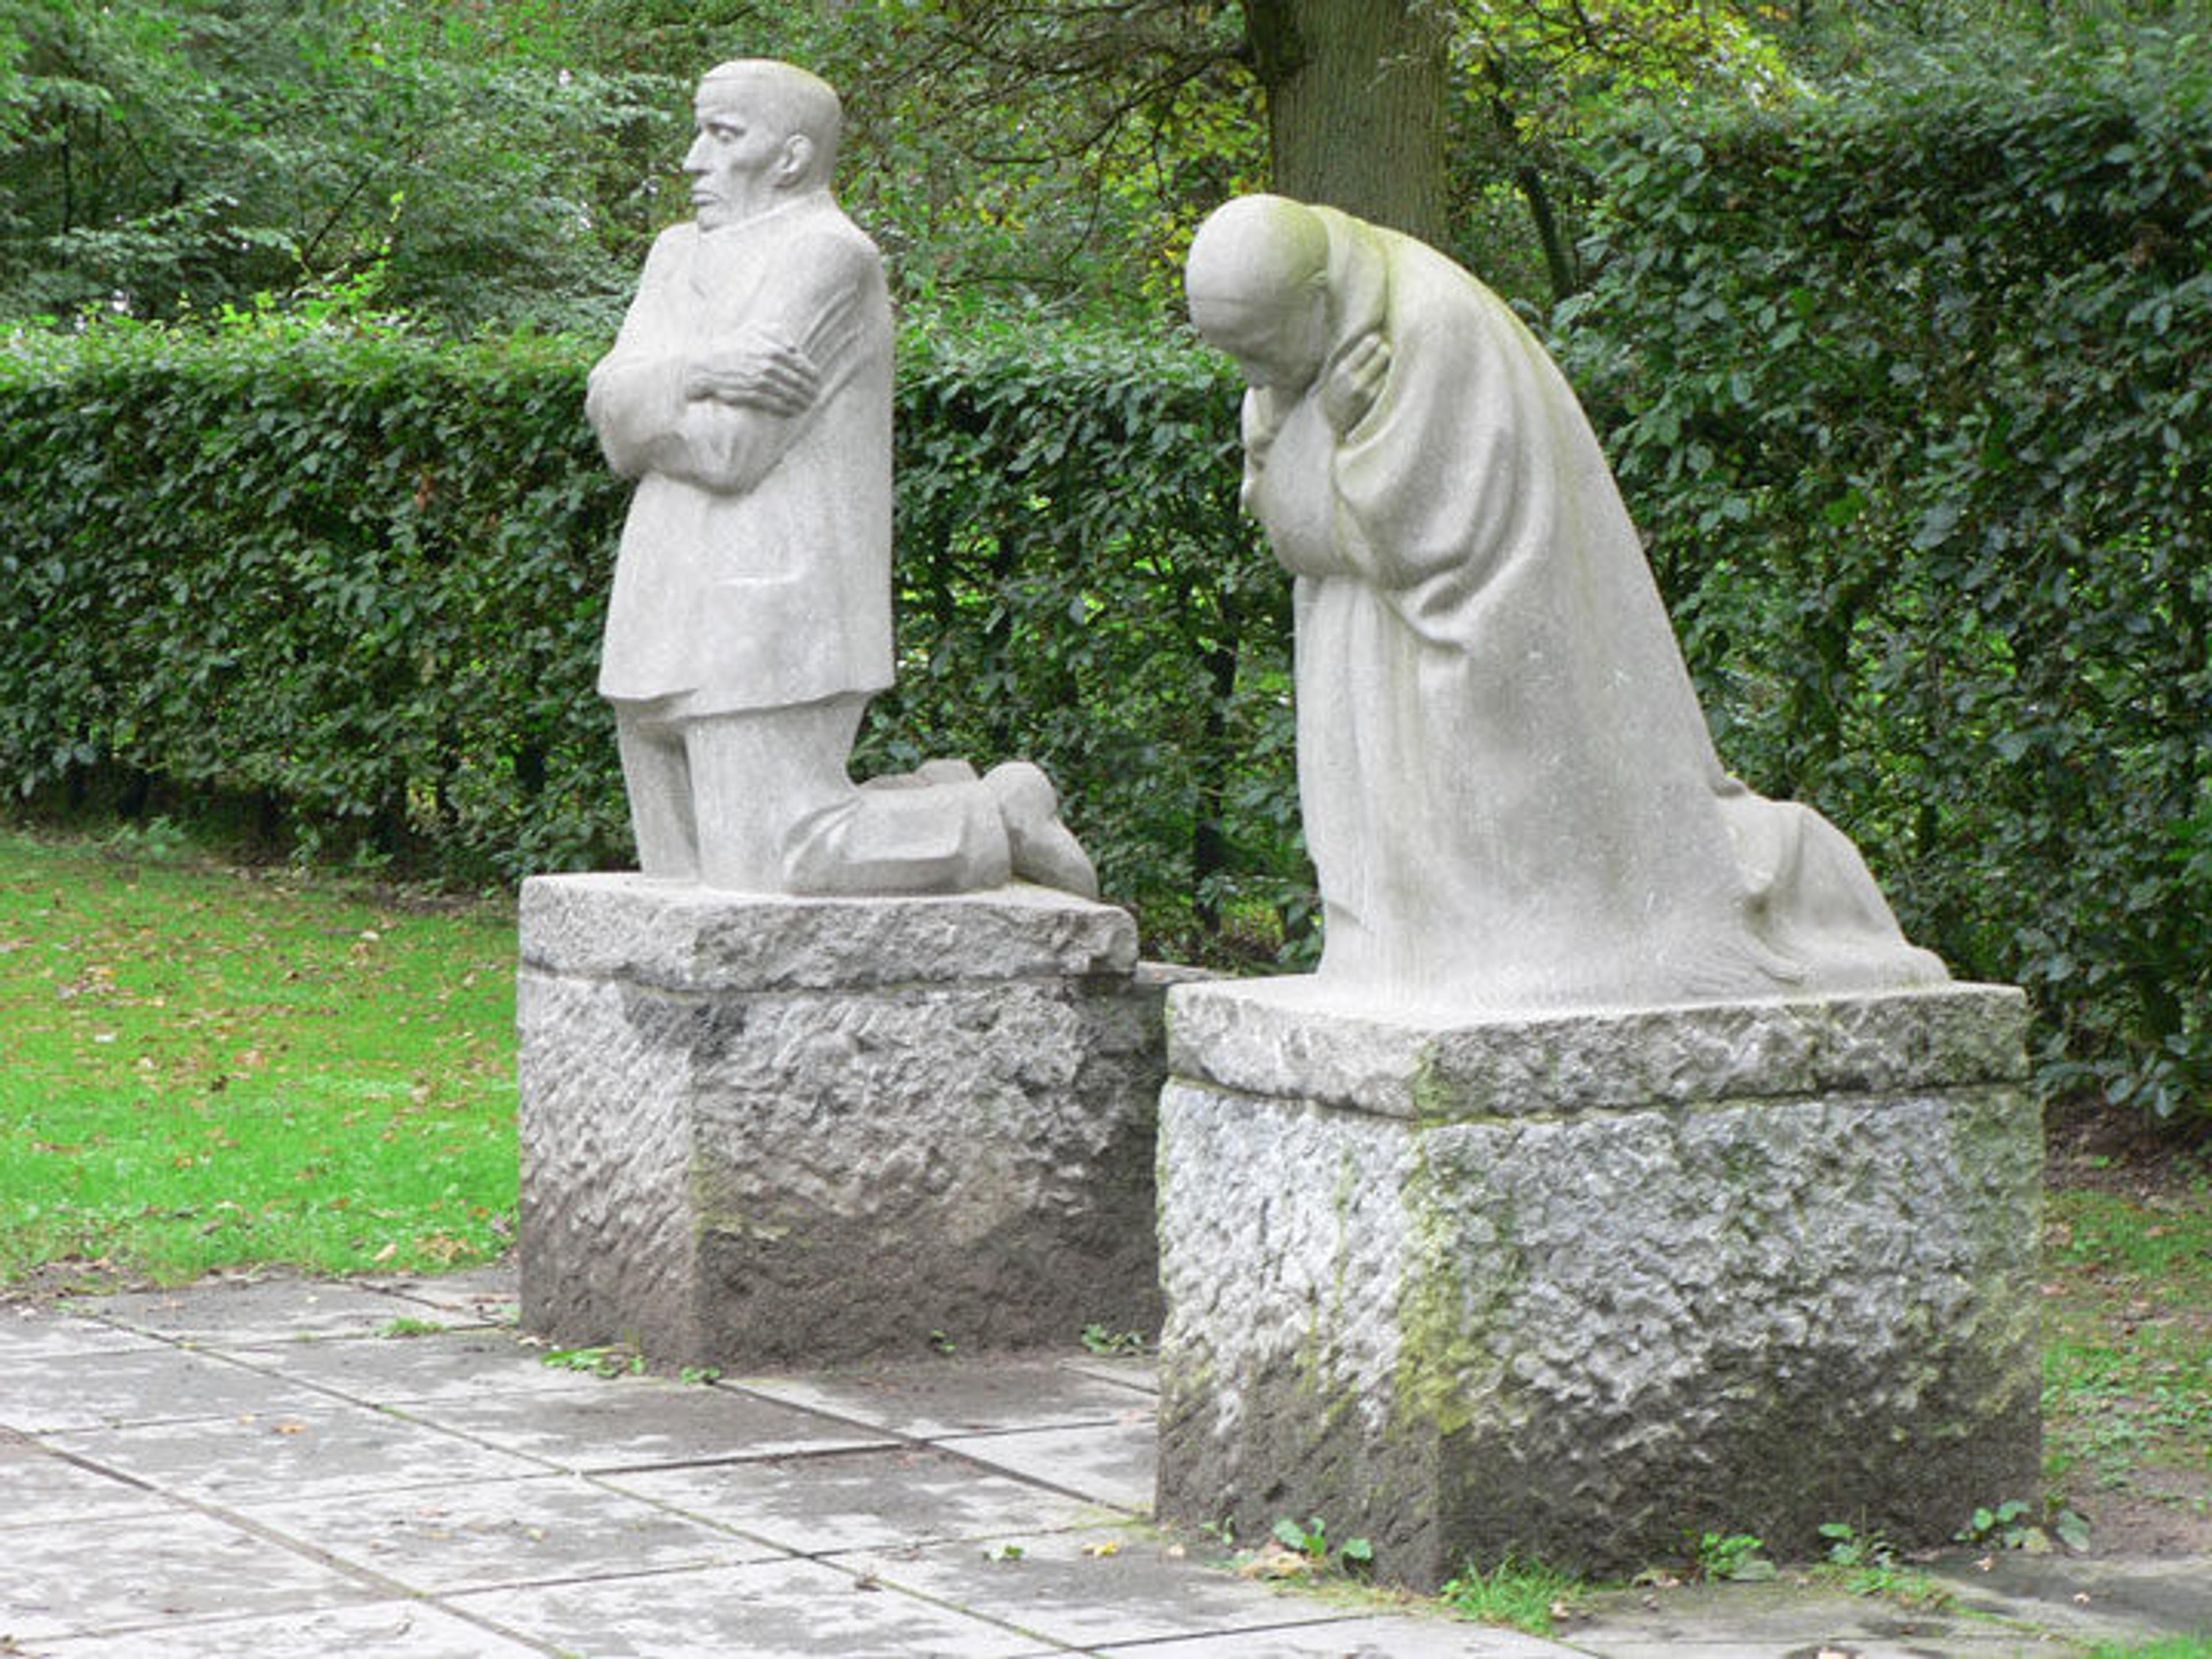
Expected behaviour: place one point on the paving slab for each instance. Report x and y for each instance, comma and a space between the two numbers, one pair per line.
137, 1570
28, 1333
780, 1610
51, 1393
249, 1311
485, 1296
455, 1366
490, 1534
425, 1498
2088, 1594
40, 1487
1129, 1372
626, 1423
1086, 1587
1735, 1621
1386, 1636
863, 1500
1108, 1463
942, 1397
382, 1630
327, 1450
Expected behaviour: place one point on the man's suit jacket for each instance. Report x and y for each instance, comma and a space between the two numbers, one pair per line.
754, 568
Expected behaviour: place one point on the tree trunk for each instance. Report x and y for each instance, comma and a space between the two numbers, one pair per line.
1355, 94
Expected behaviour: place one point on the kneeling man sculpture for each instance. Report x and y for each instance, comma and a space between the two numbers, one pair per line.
749, 395
1509, 792
820, 1078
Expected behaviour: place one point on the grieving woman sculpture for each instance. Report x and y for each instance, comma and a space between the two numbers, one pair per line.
1509, 790
749, 395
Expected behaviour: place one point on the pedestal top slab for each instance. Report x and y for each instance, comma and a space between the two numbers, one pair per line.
683, 937
1286, 1038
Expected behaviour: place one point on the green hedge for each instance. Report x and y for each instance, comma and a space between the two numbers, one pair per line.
353, 585
1912, 390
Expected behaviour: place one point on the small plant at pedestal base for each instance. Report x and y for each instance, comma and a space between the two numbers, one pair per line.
2008, 1528
1524, 1595
1734, 1556
1867, 1564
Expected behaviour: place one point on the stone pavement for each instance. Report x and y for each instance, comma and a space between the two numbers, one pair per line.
291, 1468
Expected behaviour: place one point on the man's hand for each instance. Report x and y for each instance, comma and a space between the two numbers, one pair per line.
754, 372
1355, 383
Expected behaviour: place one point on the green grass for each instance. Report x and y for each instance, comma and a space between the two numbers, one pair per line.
2171, 1647
1524, 1595
2128, 1336
210, 1068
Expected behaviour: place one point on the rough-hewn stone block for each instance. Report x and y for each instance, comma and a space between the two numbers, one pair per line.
762, 1129
1583, 1287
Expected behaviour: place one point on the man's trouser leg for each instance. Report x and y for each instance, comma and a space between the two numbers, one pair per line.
760, 801
759, 774
657, 776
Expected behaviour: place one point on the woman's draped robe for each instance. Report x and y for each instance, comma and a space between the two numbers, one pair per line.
1507, 787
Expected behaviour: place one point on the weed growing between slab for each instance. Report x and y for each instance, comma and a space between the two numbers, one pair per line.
1524, 1595
211, 1067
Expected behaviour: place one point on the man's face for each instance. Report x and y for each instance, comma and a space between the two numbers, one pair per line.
738, 162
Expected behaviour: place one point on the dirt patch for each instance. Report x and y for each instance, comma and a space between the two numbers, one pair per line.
2149, 1524
2091, 1147
50, 1282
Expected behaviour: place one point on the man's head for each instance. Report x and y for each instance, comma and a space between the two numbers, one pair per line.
766, 130
1257, 281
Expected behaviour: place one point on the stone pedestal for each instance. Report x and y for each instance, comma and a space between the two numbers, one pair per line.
1580, 1288
761, 1130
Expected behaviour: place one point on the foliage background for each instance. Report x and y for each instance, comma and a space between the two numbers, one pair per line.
1912, 390
1894, 316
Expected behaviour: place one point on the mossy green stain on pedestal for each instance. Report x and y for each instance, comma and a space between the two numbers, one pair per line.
1587, 1331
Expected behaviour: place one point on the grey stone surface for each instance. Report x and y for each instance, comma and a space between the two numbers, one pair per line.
866, 1500
484, 1534
764, 1162
771, 1610
168, 1382
933, 1400
1112, 1461
243, 1311
319, 1448
671, 937
626, 1423
454, 1365
481, 1564
24, 1334
41, 1486
1584, 1335
388, 1629
2075, 1602
142, 1570
1361, 1638
1086, 1587
1291, 1037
